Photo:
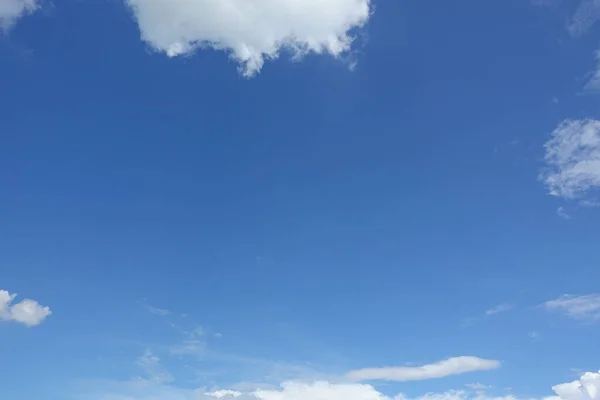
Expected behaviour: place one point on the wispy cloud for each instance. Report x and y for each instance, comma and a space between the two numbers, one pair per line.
593, 84
12, 10
224, 393
573, 159
560, 211
28, 312
585, 308
534, 335
451, 366
194, 343
500, 308
477, 386
153, 369
586, 15
158, 311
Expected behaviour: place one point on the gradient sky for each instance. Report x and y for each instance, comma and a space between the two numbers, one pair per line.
299, 200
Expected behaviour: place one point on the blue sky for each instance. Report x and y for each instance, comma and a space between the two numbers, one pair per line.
299, 200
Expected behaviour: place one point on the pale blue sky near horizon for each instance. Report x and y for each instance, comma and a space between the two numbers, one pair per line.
312, 219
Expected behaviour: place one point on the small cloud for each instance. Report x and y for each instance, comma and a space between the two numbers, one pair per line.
477, 386
533, 335
153, 369
451, 366
585, 308
593, 84
159, 311
560, 211
27, 312
573, 159
12, 10
500, 308
589, 203
586, 15
194, 343
224, 393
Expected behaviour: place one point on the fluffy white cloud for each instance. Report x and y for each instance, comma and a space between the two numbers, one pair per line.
321, 391
27, 312
585, 307
11, 10
250, 30
587, 387
451, 366
573, 159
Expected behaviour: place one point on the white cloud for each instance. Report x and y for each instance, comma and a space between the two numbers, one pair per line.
573, 159
594, 83
584, 18
159, 311
27, 312
560, 211
321, 391
586, 307
153, 369
224, 393
194, 343
250, 30
477, 386
500, 308
587, 387
11, 10
451, 366
534, 335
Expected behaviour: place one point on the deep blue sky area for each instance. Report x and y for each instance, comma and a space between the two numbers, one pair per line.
313, 219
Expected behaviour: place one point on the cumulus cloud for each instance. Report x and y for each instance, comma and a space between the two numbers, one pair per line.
451, 366
586, 307
251, 31
321, 391
587, 387
11, 10
27, 312
573, 159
